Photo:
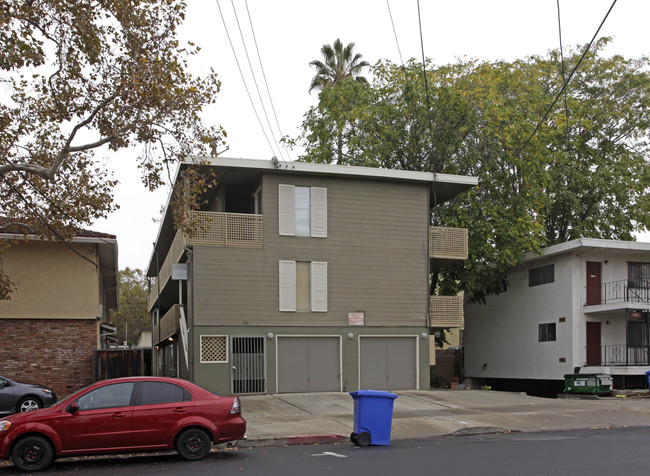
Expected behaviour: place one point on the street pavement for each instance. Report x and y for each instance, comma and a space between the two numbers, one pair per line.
329, 417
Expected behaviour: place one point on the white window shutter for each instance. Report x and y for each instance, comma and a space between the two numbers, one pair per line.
287, 285
319, 212
318, 286
286, 210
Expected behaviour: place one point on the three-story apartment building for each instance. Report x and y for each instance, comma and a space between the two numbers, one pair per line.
305, 278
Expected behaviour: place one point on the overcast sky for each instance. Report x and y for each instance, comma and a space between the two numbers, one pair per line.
289, 34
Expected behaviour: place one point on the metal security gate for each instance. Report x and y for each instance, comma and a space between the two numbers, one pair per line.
248, 365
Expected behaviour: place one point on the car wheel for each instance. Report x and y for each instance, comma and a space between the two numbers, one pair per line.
27, 404
193, 444
363, 438
32, 453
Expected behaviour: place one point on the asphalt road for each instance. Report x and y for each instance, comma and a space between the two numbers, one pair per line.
593, 452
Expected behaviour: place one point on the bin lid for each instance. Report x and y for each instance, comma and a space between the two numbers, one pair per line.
372, 393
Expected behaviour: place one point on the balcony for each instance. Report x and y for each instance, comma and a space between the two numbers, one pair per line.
617, 296
168, 325
622, 355
447, 245
446, 311
235, 230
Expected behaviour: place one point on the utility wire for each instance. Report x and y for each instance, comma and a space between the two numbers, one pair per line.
268, 91
395, 33
257, 88
559, 94
426, 83
244, 80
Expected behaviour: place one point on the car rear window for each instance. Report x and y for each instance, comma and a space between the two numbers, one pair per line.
152, 393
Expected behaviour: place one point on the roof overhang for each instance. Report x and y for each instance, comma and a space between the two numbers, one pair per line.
588, 245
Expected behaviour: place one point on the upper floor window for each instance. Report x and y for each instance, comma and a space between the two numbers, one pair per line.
303, 286
638, 275
541, 275
302, 211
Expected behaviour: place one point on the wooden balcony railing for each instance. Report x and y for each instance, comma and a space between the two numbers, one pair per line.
446, 311
236, 230
168, 325
448, 244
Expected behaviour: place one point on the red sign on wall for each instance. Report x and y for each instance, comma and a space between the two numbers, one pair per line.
356, 318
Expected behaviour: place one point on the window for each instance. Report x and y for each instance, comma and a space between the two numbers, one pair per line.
542, 275
303, 286
152, 393
547, 332
302, 211
110, 396
638, 275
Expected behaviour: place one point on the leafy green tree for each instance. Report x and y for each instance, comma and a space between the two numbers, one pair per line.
582, 172
88, 76
339, 63
133, 297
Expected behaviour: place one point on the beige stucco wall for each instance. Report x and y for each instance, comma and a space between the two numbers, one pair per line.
53, 281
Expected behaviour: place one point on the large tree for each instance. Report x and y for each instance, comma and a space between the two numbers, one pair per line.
133, 315
583, 171
86, 76
338, 63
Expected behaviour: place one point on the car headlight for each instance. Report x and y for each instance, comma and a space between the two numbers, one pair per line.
4, 425
46, 390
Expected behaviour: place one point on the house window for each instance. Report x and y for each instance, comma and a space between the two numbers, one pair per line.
303, 286
302, 211
542, 275
214, 349
638, 275
547, 332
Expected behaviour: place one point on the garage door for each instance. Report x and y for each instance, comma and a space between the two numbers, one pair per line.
308, 364
388, 363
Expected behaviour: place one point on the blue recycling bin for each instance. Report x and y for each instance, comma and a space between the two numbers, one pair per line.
648, 374
373, 417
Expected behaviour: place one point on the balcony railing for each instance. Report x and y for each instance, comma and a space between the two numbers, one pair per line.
446, 311
620, 354
168, 325
623, 290
237, 230
448, 244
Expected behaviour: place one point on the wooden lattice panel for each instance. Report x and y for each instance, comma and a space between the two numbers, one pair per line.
214, 349
446, 311
228, 229
448, 243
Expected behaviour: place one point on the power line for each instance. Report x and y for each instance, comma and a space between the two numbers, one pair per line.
557, 97
250, 65
265, 80
244, 80
395, 33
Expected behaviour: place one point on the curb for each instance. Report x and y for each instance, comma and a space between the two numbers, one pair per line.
322, 439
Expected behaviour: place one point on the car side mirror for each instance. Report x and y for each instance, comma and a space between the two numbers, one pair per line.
74, 407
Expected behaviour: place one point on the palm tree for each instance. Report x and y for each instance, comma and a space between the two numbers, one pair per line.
339, 64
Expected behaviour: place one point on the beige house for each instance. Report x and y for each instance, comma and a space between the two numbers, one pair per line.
53, 321
305, 278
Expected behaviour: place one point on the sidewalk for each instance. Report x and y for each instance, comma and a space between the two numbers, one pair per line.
328, 417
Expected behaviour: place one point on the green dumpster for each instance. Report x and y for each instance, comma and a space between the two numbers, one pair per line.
593, 384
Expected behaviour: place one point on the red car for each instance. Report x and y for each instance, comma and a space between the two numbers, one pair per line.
123, 415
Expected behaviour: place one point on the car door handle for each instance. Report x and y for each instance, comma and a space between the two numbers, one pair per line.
180, 410
119, 415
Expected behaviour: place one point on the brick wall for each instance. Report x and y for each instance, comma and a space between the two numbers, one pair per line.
53, 352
